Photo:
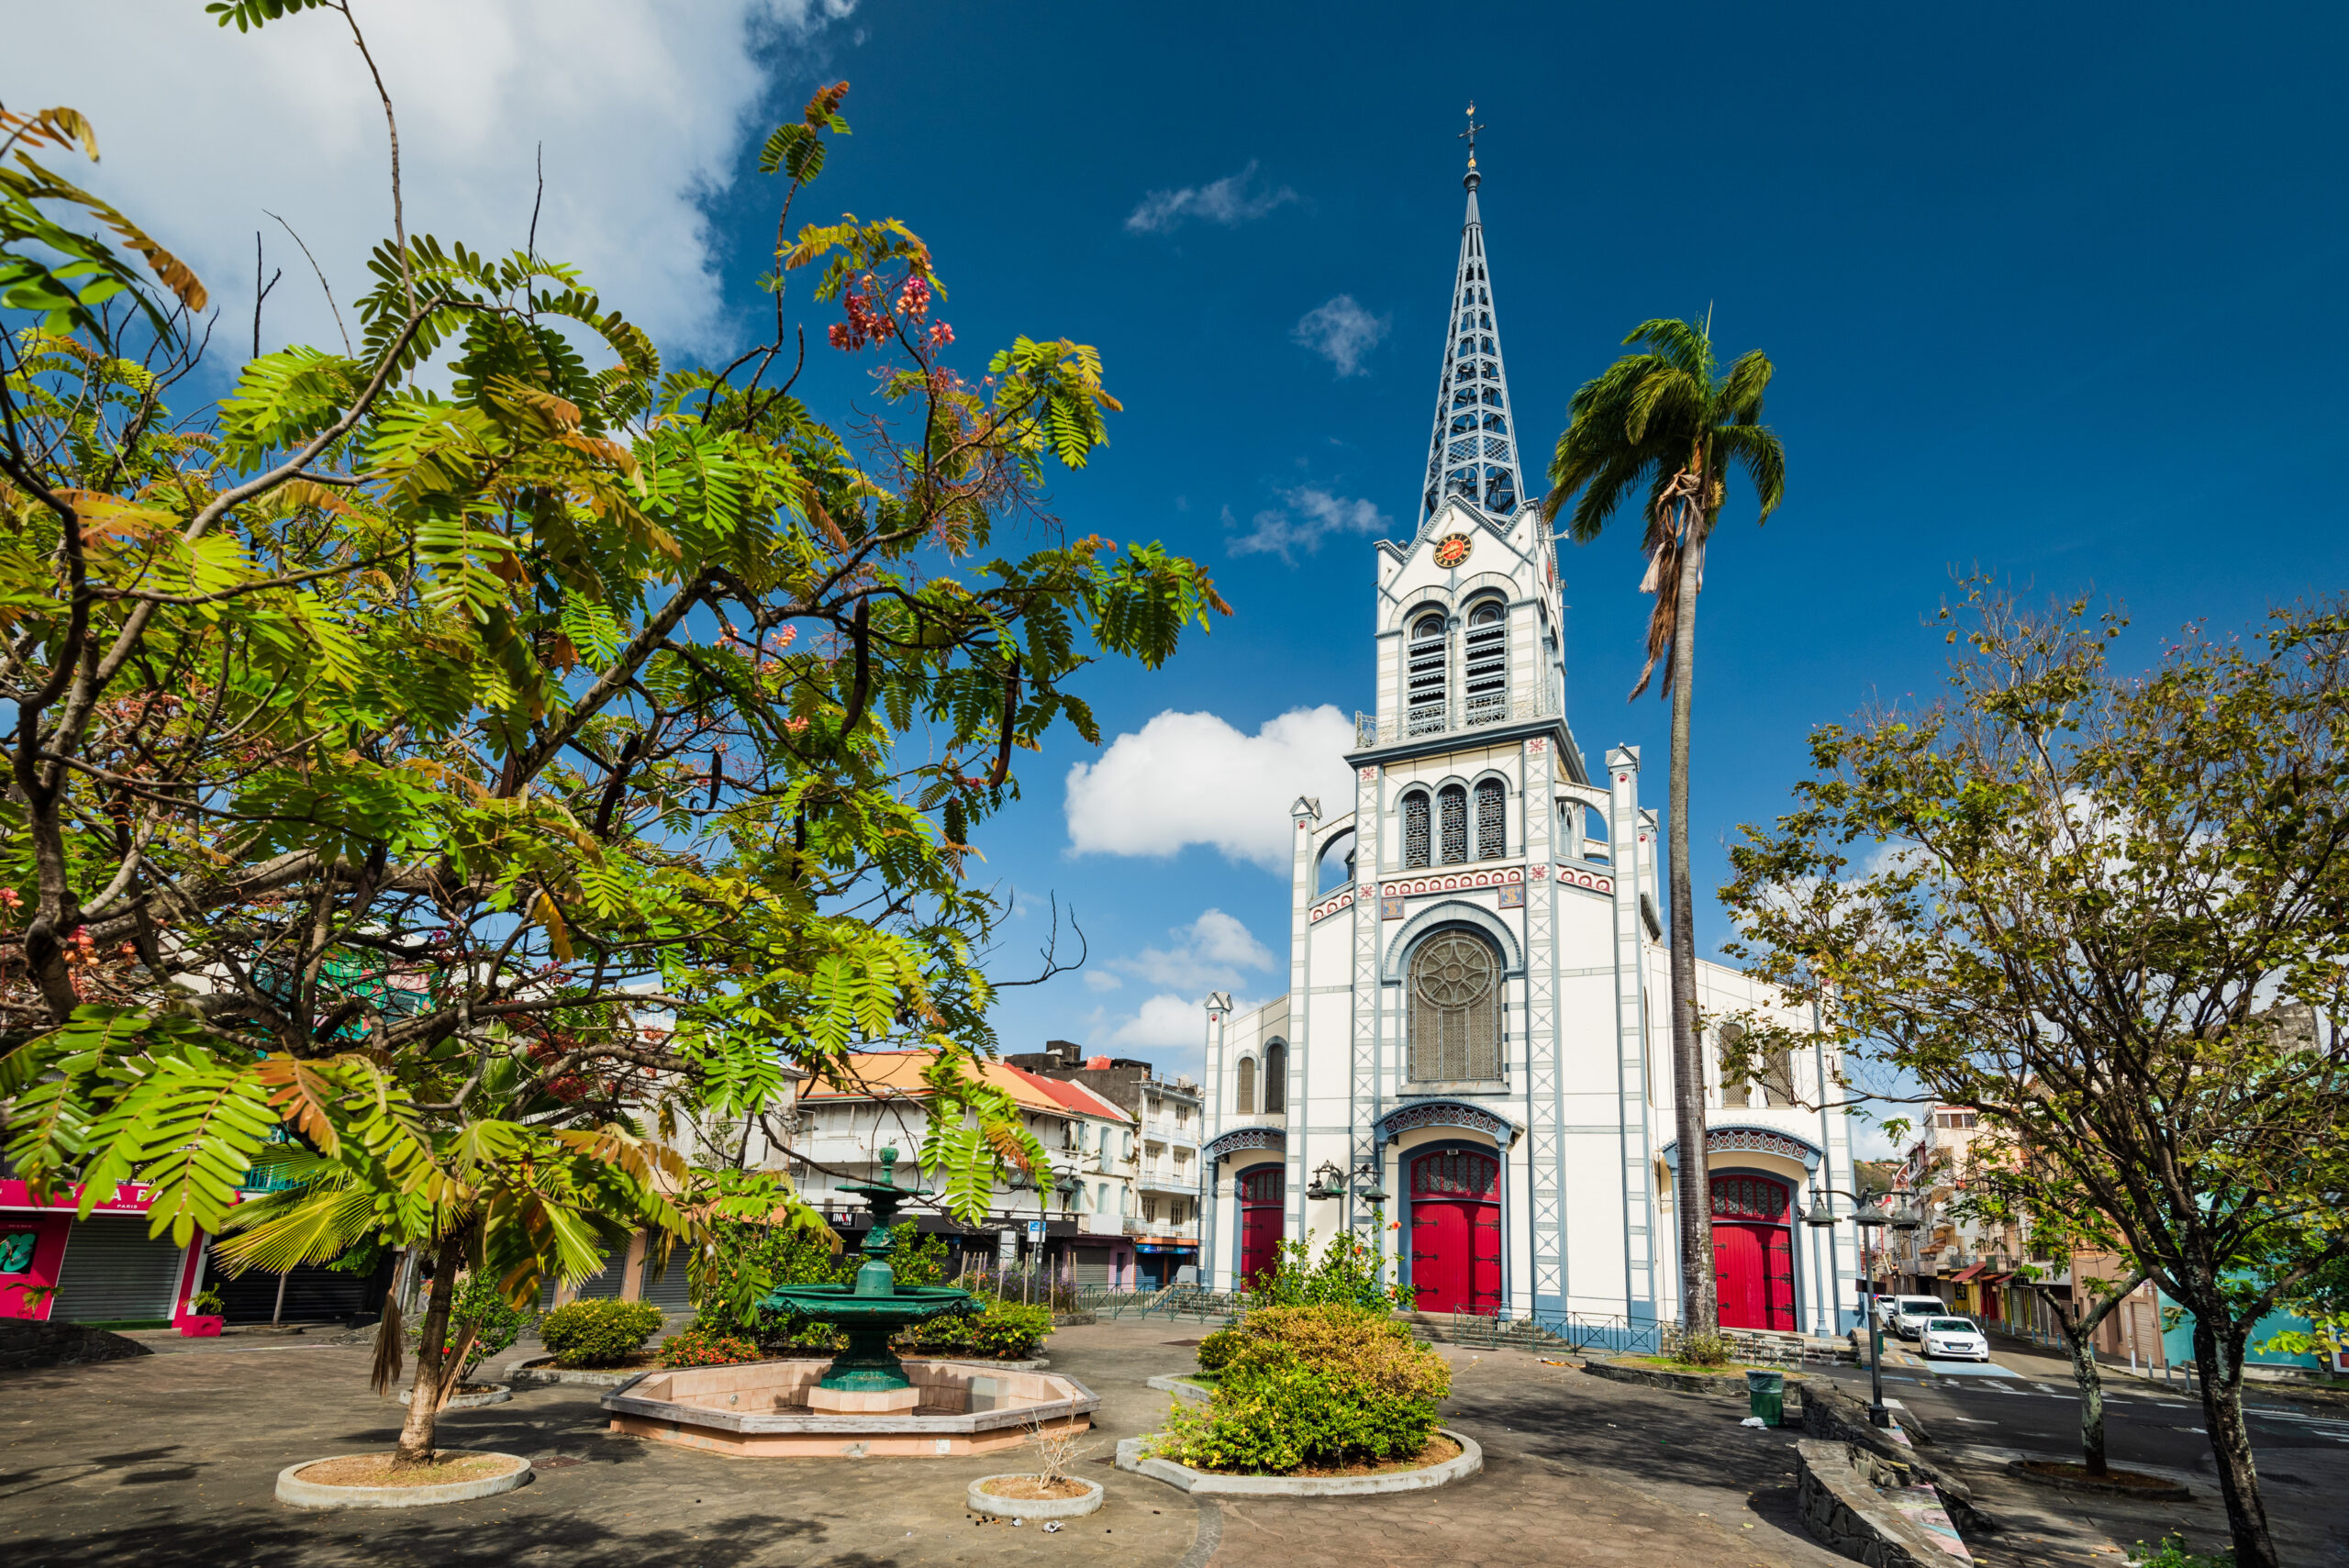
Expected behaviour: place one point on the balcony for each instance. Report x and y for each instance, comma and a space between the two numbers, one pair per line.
1164, 1230
1448, 718
1167, 1178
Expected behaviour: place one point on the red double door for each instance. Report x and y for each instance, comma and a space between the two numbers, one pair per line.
1754, 1265
1260, 1222
1456, 1231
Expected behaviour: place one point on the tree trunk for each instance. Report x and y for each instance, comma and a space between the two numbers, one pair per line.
433, 1369
1699, 1296
2221, 1359
2090, 1377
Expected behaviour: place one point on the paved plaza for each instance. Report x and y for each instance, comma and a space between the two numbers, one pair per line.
170, 1459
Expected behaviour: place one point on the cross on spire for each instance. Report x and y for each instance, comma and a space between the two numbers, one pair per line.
1473, 453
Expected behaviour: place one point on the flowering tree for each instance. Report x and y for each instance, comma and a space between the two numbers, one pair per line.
472, 786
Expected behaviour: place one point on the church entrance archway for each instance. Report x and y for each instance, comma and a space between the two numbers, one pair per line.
1456, 1231
1260, 1222
1753, 1266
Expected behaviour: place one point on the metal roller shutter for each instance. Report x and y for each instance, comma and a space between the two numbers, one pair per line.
113, 1272
1092, 1267
669, 1292
604, 1284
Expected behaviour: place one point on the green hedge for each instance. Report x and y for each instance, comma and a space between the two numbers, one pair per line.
1311, 1385
1005, 1330
597, 1333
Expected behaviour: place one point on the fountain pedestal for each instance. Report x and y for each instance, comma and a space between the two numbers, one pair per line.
863, 1401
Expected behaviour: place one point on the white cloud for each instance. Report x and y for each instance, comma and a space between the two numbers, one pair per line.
1307, 515
1210, 954
1190, 778
1342, 332
643, 110
1165, 1022
1229, 201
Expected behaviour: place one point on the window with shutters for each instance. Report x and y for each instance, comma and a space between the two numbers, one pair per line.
1487, 684
1425, 704
1492, 823
1456, 1010
1453, 804
1275, 1078
1244, 1099
1415, 830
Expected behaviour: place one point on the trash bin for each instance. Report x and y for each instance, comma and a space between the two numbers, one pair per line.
1765, 1396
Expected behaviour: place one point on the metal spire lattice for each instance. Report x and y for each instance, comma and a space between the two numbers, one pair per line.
1473, 449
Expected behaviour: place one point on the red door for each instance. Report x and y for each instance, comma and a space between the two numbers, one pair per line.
1260, 1222
1752, 1253
1456, 1231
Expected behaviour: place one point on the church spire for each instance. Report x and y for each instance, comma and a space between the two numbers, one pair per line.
1473, 449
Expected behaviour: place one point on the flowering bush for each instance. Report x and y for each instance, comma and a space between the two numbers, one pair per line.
1005, 1330
1312, 1385
698, 1346
1349, 1273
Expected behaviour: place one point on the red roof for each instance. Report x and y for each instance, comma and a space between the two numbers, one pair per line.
1076, 1096
1966, 1272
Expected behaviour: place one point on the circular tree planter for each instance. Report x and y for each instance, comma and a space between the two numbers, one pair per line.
486, 1475
980, 1500
1133, 1457
2067, 1478
473, 1396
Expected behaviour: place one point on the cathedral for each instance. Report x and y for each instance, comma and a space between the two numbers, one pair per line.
1472, 1067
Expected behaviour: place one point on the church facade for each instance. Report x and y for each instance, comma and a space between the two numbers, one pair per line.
1471, 1069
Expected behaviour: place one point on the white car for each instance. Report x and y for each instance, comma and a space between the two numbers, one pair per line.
1956, 1340
1906, 1314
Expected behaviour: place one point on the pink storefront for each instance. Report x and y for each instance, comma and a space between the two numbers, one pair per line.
102, 1268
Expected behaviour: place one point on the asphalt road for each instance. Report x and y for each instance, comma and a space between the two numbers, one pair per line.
1964, 1404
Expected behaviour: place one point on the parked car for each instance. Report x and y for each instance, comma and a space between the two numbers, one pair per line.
1955, 1339
1906, 1314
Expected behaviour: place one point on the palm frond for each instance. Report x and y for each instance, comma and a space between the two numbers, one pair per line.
1741, 395
1756, 449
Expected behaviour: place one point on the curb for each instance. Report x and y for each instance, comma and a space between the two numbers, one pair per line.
980, 1501
310, 1494
496, 1393
1183, 1388
541, 1372
2165, 1492
1200, 1483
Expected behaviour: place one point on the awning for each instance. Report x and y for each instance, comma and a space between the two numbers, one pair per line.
1967, 1273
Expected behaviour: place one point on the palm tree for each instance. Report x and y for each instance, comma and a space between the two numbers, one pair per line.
1664, 418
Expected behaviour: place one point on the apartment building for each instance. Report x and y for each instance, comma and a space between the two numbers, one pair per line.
1169, 1115
1077, 1215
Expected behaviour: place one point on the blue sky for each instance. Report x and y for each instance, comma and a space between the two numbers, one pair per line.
2052, 291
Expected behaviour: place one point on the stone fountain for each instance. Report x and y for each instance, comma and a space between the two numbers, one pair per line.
867, 1400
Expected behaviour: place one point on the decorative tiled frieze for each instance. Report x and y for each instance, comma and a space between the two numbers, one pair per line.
1576, 876
1446, 1113
1456, 882
1241, 1137
1330, 905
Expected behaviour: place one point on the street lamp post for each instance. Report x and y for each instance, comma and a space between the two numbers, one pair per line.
1871, 1219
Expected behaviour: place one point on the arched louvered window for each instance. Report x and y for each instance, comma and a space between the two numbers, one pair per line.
1275, 1078
1244, 1099
1492, 826
1415, 840
1424, 712
1487, 688
1453, 805
1456, 1010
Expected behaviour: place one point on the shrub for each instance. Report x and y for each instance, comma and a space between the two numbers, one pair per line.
597, 1333
1706, 1350
1005, 1330
1219, 1348
1348, 1274
700, 1347
208, 1303
2172, 1554
1312, 1385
